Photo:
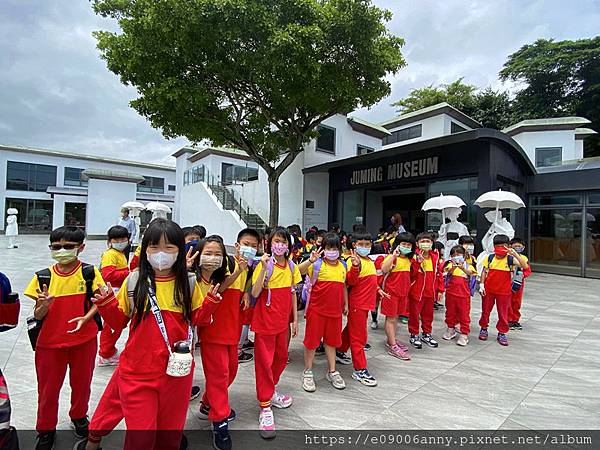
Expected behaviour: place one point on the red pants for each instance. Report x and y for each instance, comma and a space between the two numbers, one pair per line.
220, 364
51, 367
154, 410
502, 305
514, 308
354, 337
108, 339
270, 359
319, 327
420, 312
458, 310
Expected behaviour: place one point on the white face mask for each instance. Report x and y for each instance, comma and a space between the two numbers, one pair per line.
120, 246
162, 260
64, 256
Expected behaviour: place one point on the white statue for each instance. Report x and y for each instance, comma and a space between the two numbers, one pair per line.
499, 225
454, 226
158, 214
12, 228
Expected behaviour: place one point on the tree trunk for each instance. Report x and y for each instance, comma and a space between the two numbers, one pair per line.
273, 199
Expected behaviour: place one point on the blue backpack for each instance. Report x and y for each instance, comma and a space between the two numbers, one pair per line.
270, 268
309, 282
9, 312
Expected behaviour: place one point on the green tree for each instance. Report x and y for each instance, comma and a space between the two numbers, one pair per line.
489, 107
259, 75
559, 79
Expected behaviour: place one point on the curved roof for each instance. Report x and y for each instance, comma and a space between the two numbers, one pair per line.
470, 135
553, 123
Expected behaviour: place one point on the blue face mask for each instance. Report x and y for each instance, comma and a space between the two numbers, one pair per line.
363, 251
247, 252
459, 259
405, 250
190, 244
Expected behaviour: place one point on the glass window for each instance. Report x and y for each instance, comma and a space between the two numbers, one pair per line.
172, 187
326, 139
556, 239
548, 156
466, 189
75, 214
152, 184
363, 150
350, 208
404, 134
73, 177
29, 177
456, 128
232, 173
592, 251
35, 216
594, 198
562, 199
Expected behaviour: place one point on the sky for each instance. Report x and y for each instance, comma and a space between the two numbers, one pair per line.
56, 93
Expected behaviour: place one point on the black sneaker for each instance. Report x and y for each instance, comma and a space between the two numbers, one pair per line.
244, 357
517, 326
415, 341
248, 345
45, 441
205, 409
320, 349
367, 347
183, 445
221, 438
80, 427
438, 305
196, 391
429, 340
342, 358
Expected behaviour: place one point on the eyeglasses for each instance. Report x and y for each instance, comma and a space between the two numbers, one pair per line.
61, 246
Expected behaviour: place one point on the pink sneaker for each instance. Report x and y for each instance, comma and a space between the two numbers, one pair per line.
281, 401
266, 423
105, 362
397, 352
401, 344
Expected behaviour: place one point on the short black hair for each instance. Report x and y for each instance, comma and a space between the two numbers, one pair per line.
439, 246
249, 232
332, 240
404, 237
311, 235
334, 227
321, 233
200, 230
457, 249
517, 240
67, 233
425, 235
117, 232
501, 239
377, 249
362, 237
466, 239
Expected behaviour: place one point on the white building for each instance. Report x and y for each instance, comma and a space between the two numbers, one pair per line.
52, 188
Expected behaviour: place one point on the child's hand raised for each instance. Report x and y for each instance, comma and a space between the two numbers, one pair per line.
315, 254
190, 257
103, 294
242, 263
396, 251
264, 260
43, 302
214, 292
355, 258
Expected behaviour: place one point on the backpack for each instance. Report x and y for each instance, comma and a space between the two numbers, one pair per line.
9, 312
517, 277
471, 281
269, 274
309, 282
132, 281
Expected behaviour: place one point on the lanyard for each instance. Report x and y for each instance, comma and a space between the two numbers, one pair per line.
159, 319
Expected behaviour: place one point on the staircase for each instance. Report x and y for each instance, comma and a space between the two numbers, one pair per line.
232, 201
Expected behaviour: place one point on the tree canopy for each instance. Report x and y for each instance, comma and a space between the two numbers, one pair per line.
259, 75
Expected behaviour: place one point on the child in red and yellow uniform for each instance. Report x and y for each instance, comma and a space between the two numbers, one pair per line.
275, 301
328, 302
397, 270
421, 297
113, 267
362, 279
67, 337
516, 300
458, 295
495, 287
136, 257
140, 389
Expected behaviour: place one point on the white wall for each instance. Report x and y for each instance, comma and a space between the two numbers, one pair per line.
432, 127
529, 141
578, 152
104, 195
199, 206
316, 188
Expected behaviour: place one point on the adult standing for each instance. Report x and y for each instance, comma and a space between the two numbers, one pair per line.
397, 223
129, 223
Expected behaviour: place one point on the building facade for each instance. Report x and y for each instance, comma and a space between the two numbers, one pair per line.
51, 188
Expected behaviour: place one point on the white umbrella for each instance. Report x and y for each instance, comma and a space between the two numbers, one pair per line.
577, 216
11, 211
157, 206
443, 202
500, 200
134, 205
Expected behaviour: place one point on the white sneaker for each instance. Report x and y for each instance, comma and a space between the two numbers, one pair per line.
336, 380
449, 334
308, 381
105, 362
266, 423
374, 325
462, 340
281, 400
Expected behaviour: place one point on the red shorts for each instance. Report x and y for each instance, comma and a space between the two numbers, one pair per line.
394, 306
321, 327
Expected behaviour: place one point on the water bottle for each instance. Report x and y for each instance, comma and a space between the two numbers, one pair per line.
180, 360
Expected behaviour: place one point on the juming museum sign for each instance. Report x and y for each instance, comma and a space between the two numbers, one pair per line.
396, 171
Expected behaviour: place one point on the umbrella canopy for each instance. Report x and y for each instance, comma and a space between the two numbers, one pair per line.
133, 205
500, 200
157, 206
12, 211
578, 215
443, 202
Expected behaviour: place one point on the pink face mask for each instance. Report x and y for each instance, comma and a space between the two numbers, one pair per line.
279, 248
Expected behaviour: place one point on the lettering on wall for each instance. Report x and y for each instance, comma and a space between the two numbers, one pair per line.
396, 171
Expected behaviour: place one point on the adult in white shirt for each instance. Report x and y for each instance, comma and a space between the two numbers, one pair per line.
129, 223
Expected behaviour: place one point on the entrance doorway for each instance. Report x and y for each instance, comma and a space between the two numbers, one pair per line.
75, 214
409, 207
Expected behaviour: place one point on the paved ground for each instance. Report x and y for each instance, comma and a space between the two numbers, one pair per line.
548, 378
